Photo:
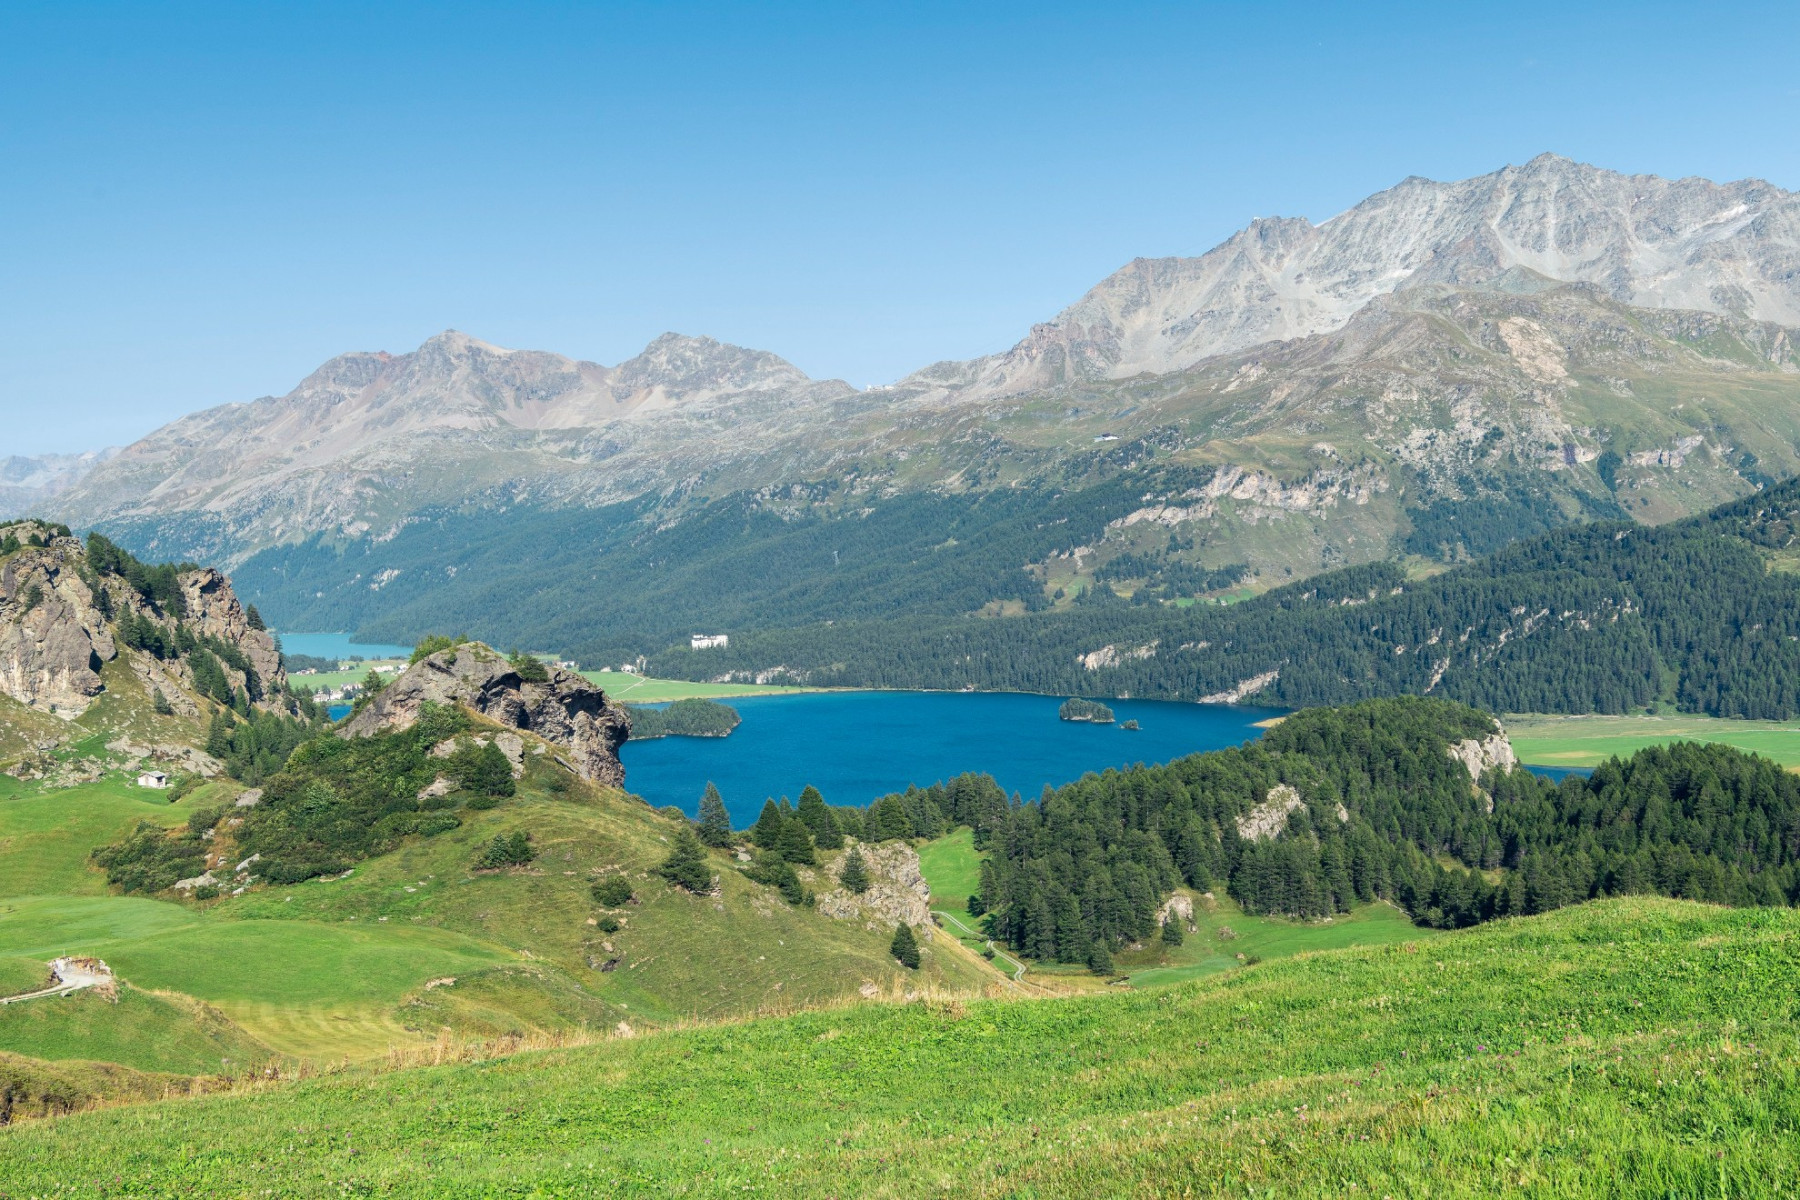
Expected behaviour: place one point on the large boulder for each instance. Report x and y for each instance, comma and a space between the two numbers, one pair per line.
563, 708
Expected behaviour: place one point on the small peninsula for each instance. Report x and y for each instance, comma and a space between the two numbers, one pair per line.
683, 718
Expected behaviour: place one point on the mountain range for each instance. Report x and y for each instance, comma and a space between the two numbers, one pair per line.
1438, 369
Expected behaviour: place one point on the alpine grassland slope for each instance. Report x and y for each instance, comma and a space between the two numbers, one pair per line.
1633, 1047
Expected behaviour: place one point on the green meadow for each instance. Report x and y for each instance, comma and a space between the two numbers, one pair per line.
636, 689
1588, 741
1624, 1048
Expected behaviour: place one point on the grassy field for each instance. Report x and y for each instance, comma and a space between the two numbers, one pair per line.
1628, 1048
635, 689
1555, 741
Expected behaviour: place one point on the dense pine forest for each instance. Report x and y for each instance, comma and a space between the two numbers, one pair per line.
1606, 617
1338, 806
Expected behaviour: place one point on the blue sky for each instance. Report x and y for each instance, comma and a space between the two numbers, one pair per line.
201, 203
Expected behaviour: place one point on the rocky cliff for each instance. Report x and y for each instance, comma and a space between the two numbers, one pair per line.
562, 708
60, 616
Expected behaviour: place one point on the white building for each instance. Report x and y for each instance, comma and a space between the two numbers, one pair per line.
709, 641
153, 779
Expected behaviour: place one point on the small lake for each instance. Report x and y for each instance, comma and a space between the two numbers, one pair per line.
857, 746
339, 646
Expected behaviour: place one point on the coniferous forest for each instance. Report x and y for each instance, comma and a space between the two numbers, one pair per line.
1365, 802
1606, 617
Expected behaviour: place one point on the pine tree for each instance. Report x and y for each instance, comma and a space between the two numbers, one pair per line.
795, 844
1171, 930
160, 703
218, 734
818, 819
686, 867
767, 830
1098, 960
254, 618
715, 823
854, 874
904, 948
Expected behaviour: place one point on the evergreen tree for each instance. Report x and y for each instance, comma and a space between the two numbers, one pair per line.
795, 844
686, 867
507, 850
1098, 960
218, 734
766, 833
904, 948
1171, 931
254, 618
161, 704
714, 827
818, 819
854, 874
975, 905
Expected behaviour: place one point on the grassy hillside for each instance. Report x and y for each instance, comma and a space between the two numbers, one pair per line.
340, 967
1628, 1048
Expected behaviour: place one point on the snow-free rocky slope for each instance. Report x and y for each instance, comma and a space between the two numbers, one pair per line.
1572, 341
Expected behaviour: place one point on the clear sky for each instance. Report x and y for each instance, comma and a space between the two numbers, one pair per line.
200, 203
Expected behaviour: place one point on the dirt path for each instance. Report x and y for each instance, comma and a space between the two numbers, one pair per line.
1018, 974
70, 975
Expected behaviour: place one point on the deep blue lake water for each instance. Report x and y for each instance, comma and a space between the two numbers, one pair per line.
857, 746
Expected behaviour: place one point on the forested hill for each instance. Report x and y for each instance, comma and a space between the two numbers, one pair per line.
1604, 617
1339, 806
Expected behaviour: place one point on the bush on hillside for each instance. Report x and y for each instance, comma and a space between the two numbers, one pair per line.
686, 867
904, 947
771, 870
614, 891
507, 850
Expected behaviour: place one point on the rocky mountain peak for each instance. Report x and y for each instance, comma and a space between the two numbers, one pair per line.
1648, 241
679, 364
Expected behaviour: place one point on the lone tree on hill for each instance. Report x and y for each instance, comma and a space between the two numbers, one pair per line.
767, 830
904, 949
686, 865
819, 820
854, 874
795, 844
714, 826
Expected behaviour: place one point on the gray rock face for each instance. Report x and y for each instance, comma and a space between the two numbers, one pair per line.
564, 709
54, 638
1651, 242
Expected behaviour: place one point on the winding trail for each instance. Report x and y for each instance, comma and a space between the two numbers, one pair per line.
71, 975
1018, 974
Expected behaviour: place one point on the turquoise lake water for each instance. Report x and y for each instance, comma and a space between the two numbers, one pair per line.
857, 746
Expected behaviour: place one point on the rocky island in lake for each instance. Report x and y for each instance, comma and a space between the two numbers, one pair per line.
1091, 711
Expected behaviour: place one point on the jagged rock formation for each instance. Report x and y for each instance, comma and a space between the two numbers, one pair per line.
57, 622
563, 709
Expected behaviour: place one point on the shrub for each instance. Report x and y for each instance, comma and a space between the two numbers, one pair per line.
686, 867
507, 850
613, 891
904, 947
207, 891
772, 870
528, 667
432, 643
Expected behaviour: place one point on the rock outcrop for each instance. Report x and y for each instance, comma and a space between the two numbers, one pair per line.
1492, 752
563, 708
57, 616
1269, 818
897, 889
